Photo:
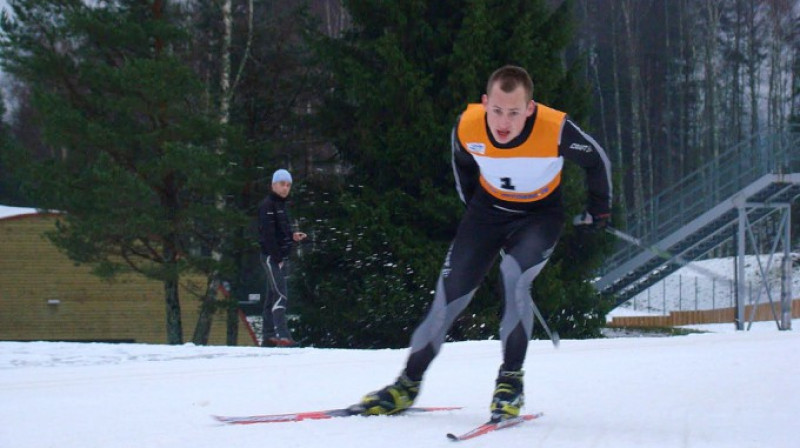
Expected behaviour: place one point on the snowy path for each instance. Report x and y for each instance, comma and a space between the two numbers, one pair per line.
712, 390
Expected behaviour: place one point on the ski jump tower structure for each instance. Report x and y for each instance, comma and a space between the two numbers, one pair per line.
720, 203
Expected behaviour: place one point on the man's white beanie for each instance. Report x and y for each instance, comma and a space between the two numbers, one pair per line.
281, 175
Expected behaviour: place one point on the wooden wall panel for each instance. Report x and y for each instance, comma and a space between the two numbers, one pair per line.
45, 296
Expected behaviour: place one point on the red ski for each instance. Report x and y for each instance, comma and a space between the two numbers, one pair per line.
316, 415
493, 426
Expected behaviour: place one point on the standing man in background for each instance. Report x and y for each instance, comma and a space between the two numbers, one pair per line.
508, 154
276, 239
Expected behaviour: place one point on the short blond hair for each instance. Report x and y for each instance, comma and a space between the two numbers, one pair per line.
510, 77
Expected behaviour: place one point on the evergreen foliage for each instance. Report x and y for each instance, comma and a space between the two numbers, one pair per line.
399, 79
9, 189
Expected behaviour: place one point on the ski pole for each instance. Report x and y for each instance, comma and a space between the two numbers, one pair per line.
553, 335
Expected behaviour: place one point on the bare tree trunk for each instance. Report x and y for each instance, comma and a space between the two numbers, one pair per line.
615, 68
773, 107
587, 44
780, 62
680, 124
225, 63
171, 291
646, 80
710, 93
736, 89
753, 65
595, 73
794, 86
689, 129
647, 150
173, 308
336, 18
208, 305
668, 115
628, 15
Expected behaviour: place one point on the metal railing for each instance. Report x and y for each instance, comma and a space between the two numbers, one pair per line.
707, 186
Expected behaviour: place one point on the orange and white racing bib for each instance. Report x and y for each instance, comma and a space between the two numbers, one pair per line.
526, 173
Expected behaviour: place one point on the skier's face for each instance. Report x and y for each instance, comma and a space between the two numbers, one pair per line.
282, 188
506, 112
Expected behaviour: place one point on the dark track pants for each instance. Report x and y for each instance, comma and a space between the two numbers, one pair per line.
525, 241
276, 301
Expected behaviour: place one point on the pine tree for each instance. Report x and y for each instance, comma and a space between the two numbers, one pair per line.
134, 166
399, 79
9, 193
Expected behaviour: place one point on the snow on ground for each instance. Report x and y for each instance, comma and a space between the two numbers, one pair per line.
702, 390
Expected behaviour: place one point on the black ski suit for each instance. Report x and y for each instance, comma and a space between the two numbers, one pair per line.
514, 209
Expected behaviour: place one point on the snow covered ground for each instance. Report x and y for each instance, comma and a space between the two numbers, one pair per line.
704, 390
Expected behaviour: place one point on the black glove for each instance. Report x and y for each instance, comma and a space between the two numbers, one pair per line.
591, 223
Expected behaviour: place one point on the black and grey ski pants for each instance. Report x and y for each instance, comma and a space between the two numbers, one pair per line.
276, 301
525, 242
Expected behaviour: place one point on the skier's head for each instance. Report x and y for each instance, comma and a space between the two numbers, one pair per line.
508, 102
281, 182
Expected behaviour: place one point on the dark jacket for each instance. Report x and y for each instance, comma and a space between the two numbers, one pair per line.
274, 228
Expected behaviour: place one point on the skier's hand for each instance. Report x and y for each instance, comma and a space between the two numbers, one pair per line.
591, 223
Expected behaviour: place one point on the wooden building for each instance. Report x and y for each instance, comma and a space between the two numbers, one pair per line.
44, 296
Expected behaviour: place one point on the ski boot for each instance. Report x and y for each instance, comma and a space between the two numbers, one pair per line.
509, 396
392, 399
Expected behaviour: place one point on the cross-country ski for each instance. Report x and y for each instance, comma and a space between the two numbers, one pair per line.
493, 426
315, 415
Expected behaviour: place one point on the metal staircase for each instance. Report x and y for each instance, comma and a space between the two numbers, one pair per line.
713, 205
